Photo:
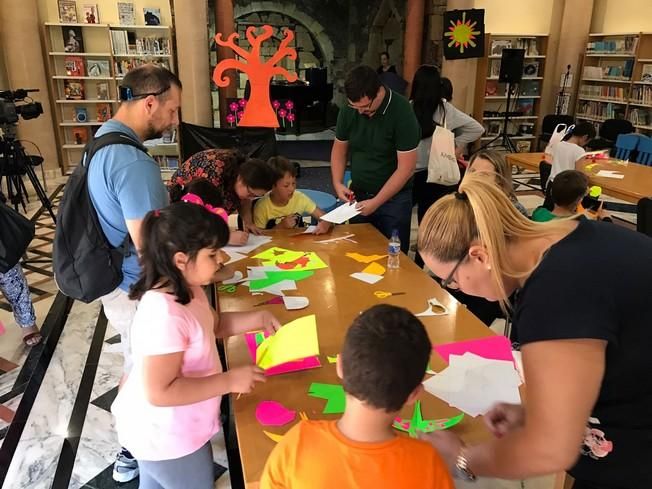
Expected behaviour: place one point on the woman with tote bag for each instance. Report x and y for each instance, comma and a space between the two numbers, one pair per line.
443, 127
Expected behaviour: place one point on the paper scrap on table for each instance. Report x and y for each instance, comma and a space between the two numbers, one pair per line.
374, 268
417, 424
474, 384
279, 288
272, 278
272, 413
310, 230
237, 277
334, 395
294, 303
435, 308
275, 252
253, 340
294, 341
610, 174
342, 213
233, 256
496, 347
369, 278
364, 258
252, 243
273, 436
291, 260
332, 358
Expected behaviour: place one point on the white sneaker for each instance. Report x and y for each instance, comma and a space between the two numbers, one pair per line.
125, 468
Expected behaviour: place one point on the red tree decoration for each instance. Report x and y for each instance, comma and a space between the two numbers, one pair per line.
258, 111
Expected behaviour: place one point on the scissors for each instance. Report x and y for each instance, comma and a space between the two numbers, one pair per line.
230, 288
381, 294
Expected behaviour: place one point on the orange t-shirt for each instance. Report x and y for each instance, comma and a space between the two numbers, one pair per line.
315, 455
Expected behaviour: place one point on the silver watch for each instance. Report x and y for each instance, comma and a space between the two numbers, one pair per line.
462, 470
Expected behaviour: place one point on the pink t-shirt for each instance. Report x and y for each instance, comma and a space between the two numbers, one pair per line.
162, 325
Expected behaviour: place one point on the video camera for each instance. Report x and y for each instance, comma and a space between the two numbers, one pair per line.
10, 110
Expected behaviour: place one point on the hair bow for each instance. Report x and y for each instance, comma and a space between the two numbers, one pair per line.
196, 199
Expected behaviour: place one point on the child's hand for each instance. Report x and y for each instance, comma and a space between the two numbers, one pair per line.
242, 379
289, 222
268, 322
238, 238
323, 227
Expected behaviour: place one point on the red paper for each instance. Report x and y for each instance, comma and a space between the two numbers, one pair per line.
492, 347
295, 366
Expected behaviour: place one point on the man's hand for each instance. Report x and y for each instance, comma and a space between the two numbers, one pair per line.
343, 192
368, 207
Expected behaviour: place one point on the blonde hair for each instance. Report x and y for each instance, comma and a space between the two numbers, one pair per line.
501, 167
480, 211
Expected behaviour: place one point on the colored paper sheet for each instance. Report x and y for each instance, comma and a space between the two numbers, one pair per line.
364, 258
435, 308
276, 277
234, 257
369, 278
332, 358
273, 436
280, 288
272, 413
254, 339
307, 261
294, 341
342, 213
493, 347
237, 277
253, 242
334, 395
295, 303
374, 268
417, 424
276, 253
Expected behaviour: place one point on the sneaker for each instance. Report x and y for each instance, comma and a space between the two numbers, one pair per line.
125, 468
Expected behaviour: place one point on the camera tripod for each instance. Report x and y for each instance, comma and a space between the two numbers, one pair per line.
14, 165
505, 140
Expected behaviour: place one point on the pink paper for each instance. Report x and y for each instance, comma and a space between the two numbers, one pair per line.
272, 413
284, 368
492, 347
2, 328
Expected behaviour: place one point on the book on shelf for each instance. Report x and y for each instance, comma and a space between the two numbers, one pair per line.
123, 66
497, 46
608, 72
646, 73
102, 90
603, 91
492, 128
73, 89
103, 112
73, 41
80, 135
74, 66
531, 68
126, 13
152, 16
523, 146
525, 106
529, 44
601, 110
530, 88
80, 114
68, 11
99, 67
626, 45
642, 95
640, 117
90, 13
495, 68
491, 88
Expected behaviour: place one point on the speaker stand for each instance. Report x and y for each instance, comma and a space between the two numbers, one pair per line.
504, 137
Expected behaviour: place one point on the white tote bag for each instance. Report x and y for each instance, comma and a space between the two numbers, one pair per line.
442, 162
558, 135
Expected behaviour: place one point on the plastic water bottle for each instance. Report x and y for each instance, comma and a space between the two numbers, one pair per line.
394, 251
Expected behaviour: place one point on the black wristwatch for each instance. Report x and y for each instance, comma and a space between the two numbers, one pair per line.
462, 470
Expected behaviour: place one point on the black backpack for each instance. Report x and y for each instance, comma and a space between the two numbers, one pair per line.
86, 266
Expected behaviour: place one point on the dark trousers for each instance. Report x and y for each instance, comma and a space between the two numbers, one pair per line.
425, 194
592, 485
395, 214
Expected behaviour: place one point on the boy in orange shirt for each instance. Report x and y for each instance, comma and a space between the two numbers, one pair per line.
382, 364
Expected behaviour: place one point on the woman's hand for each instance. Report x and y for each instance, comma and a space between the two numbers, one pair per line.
447, 444
241, 380
238, 238
504, 418
268, 322
323, 227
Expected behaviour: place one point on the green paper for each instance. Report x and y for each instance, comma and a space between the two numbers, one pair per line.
274, 277
334, 395
418, 424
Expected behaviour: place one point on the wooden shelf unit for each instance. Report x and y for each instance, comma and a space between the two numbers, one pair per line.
599, 99
531, 83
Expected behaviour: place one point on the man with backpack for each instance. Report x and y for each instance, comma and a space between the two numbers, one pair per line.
117, 184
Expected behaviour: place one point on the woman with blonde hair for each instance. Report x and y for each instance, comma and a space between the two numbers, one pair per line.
585, 345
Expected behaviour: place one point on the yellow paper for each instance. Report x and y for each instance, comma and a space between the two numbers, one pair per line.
294, 341
332, 359
365, 258
374, 268
273, 436
310, 262
279, 254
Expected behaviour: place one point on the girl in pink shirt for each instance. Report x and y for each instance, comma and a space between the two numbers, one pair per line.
168, 409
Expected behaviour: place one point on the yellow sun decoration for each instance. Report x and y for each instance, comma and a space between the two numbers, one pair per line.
462, 33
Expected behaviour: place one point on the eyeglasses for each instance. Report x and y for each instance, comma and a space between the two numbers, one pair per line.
363, 107
449, 282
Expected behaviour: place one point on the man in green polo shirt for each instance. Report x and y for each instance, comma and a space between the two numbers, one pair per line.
379, 132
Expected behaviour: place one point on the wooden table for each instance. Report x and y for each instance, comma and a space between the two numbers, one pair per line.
337, 299
636, 184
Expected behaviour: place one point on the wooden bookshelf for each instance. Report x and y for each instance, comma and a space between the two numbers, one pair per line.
97, 44
490, 95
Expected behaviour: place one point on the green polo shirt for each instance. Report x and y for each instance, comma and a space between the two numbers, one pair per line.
373, 142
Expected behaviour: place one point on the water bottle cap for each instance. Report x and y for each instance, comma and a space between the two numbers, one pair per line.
395, 233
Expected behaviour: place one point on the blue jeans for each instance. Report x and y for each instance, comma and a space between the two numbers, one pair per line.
396, 213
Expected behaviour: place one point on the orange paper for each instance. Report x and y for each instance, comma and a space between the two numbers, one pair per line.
374, 268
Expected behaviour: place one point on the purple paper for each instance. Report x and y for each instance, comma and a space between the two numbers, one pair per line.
492, 348
284, 368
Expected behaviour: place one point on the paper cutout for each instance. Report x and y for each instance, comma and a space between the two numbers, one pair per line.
435, 308
258, 111
429, 370
610, 174
342, 213
417, 424
294, 341
272, 413
310, 230
252, 243
369, 278
332, 358
308, 261
279, 254
254, 339
493, 347
276, 277
334, 395
237, 277
280, 288
364, 258
374, 268
273, 436
295, 303
346, 237
234, 256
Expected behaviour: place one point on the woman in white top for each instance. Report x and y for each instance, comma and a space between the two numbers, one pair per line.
431, 110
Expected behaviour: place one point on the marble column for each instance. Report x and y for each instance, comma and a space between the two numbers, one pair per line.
24, 64
414, 20
191, 18
225, 24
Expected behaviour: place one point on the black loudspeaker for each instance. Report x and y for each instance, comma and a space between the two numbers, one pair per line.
511, 65
317, 76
